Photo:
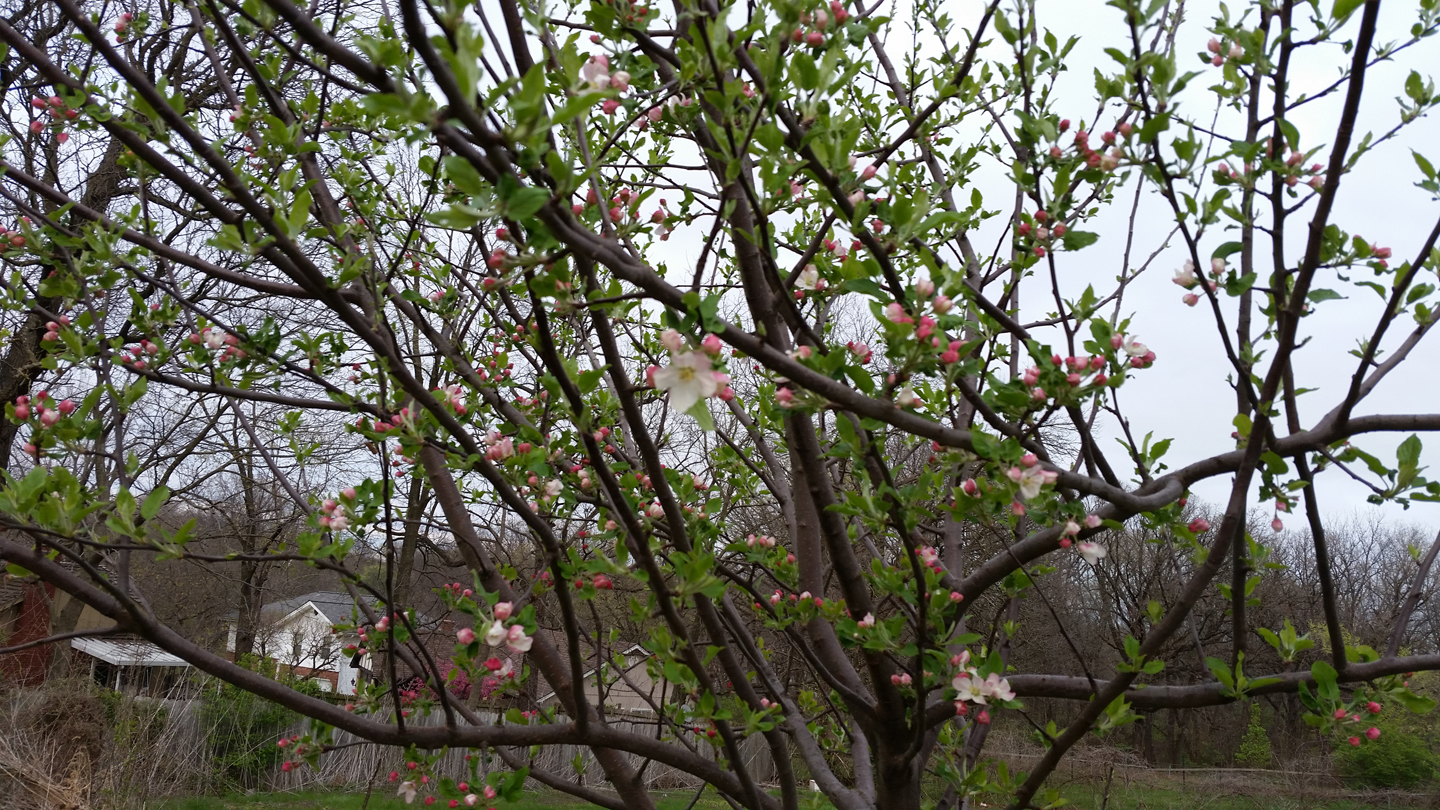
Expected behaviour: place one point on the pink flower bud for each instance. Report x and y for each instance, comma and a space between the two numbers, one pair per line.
465, 635
1373, 733
814, 39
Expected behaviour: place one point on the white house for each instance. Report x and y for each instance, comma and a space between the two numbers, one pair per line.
297, 634
628, 690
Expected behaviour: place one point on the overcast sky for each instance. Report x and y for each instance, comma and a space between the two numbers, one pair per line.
1185, 396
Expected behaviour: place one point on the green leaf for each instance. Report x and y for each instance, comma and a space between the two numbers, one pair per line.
701, 411
1342, 9
525, 202
463, 175
1418, 704
1221, 671
456, 217
1075, 240
1326, 680
154, 501
1425, 165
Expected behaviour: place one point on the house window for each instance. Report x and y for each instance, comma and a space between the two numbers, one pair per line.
296, 642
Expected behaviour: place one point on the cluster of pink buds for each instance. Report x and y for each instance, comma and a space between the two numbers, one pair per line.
492, 370
1219, 53
1292, 170
122, 25
1371, 733
1380, 255
135, 356
1095, 159
13, 238
214, 338
498, 446
930, 558
501, 669
628, 11
455, 395
457, 590
838, 249
52, 328
761, 540
1077, 368
45, 409
1043, 231
332, 514
1139, 354
817, 23
58, 112
861, 351
584, 473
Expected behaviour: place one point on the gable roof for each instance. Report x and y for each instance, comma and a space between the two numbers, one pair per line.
640, 648
336, 606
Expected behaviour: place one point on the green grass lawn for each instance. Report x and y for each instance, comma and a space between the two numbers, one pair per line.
1081, 796
1092, 797
384, 798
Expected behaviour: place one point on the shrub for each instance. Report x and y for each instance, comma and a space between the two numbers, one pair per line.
1254, 751
241, 729
1398, 759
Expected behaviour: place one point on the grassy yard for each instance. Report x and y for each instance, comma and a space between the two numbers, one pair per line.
1176, 796
384, 798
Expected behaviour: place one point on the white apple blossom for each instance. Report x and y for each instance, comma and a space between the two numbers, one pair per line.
495, 635
673, 341
1092, 552
1135, 348
689, 379
970, 688
997, 687
1185, 276
407, 790
808, 278
517, 640
1031, 479
596, 72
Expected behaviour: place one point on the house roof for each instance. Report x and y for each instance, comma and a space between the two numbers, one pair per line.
337, 606
127, 652
334, 606
640, 648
